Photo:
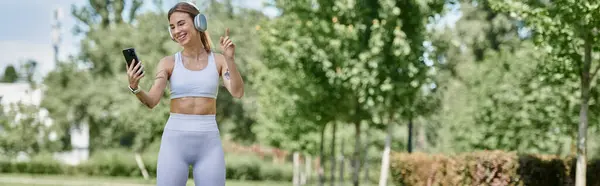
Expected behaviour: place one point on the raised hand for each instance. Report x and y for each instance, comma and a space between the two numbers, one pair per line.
135, 73
227, 45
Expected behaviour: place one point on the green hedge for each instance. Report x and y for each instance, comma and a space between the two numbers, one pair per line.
488, 168
122, 164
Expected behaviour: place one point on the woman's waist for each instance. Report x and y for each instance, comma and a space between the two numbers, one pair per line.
191, 122
194, 106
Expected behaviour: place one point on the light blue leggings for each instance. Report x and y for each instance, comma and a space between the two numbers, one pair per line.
191, 140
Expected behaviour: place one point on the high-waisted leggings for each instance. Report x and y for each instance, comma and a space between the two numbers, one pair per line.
191, 140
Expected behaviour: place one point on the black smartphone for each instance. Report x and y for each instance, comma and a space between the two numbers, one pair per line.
129, 54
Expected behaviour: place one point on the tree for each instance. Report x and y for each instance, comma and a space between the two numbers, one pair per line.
24, 130
488, 92
353, 54
397, 80
305, 65
10, 74
296, 91
566, 31
29, 68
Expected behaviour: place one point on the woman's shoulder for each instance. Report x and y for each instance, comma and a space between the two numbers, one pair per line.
167, 62
168, 59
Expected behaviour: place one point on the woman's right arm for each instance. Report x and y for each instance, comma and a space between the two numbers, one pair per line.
152, 97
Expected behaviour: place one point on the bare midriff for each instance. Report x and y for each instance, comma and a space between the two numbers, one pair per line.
194, 106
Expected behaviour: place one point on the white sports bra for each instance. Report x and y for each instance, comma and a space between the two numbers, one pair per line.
194, 83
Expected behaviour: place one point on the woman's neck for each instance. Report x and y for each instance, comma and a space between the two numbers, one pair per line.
194, 49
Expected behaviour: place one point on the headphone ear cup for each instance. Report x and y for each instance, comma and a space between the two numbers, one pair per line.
200, 22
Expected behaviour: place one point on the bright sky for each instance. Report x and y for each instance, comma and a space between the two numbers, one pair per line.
26, 30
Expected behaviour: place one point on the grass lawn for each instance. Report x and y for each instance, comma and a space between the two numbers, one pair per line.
63, 180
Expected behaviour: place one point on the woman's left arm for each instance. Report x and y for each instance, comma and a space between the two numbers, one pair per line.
231, 76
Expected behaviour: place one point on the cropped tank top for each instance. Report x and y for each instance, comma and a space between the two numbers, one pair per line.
194, 83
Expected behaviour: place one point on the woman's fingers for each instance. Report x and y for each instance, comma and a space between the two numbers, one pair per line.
140, 76
137, 66
140, 69
225, 40
135, 71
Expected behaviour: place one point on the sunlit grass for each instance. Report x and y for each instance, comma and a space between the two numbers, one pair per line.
63, 180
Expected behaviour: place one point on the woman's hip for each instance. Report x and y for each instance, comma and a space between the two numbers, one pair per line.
192, 123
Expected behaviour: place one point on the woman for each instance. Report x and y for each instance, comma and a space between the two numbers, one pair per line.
191, 136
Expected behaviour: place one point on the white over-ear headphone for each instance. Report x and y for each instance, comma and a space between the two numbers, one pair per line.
199, 22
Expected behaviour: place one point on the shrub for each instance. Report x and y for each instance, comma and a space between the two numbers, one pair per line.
487, 168
122, 163
253, 168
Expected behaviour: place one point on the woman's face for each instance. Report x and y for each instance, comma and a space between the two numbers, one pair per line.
182, 27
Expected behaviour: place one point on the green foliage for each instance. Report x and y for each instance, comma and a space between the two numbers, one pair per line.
517, 102
29, 69
241, 167
567, 32
39, 164
498, 89
10, 74
300, 90
22, 129
121, 163
343, 65
560, 29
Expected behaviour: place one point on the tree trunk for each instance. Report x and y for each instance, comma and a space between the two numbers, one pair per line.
333, 153
342, 163
366, 156
296, 177
307, 169
421, 138
580, 175
410, 135
321, 170
356, 156
385, 159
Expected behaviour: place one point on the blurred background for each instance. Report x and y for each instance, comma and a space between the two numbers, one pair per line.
338, 92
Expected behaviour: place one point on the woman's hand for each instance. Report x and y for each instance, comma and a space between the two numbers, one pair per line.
227, 45
135, 73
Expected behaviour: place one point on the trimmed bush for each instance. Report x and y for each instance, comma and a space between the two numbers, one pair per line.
121, 163
487, 168
253, 168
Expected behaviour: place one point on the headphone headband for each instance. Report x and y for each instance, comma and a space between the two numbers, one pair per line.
190, 3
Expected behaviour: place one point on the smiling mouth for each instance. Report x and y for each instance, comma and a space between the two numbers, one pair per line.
181, 37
